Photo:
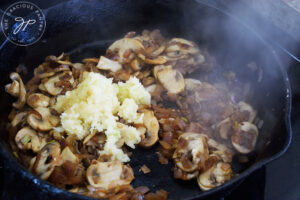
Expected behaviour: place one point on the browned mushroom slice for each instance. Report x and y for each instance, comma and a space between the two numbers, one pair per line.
152, 126
38, 100
46, 160
42, 87
191, 152
220, 150
172, 80
125, 45
202, 91
44, 70
68, 155
107, 64
178, 48
215, 176
225, 128
136, 64
27, 138
159, 68
156, 61
108, 175
180, 174
13, 88
19, 118
51, 84
41, 119
62, 68
68, 173
191, 84
17, 89
151, 88
244, 139
244, 107
158, 51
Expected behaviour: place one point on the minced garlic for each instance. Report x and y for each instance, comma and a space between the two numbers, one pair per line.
96, 104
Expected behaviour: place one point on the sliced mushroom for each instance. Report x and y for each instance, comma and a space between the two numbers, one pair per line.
222, 151
244, 107
46, 160
171, 79
215, 176
51, 84
107, 64
27, 138
62, 68
43, 71
124, 45
38, 100
191, 152
178, 48
180, 174
185, 46
158, 51
191, 84
225, 128
17, 89
41, 119
151, 88
13, 88
136, 64
152, 126
19, 118
157, 61
244, 139
68, 155
108, 175
42, 87
159, 68
68, 173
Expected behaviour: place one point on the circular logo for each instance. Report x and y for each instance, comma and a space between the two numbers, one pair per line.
23, 23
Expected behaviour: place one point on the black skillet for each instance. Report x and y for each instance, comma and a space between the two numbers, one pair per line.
86, 28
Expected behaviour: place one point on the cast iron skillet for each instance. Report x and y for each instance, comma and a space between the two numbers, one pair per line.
74, 24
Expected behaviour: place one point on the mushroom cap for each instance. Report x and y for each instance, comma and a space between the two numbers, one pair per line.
191, 84
222, 151
38, 100
50, 84
46, 160
191, 152
13, 88
245, 107
17, 89
125, 44
244, 139
41, 119
179, 48
108, 175
68, 155
152, 126
27, 138
225, 128
215, 176
156, 61
107, 64
171, 79
20, 117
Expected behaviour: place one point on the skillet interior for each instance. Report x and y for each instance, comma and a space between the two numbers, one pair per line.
76, 23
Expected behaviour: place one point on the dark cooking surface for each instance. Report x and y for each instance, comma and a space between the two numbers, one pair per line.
278, 178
